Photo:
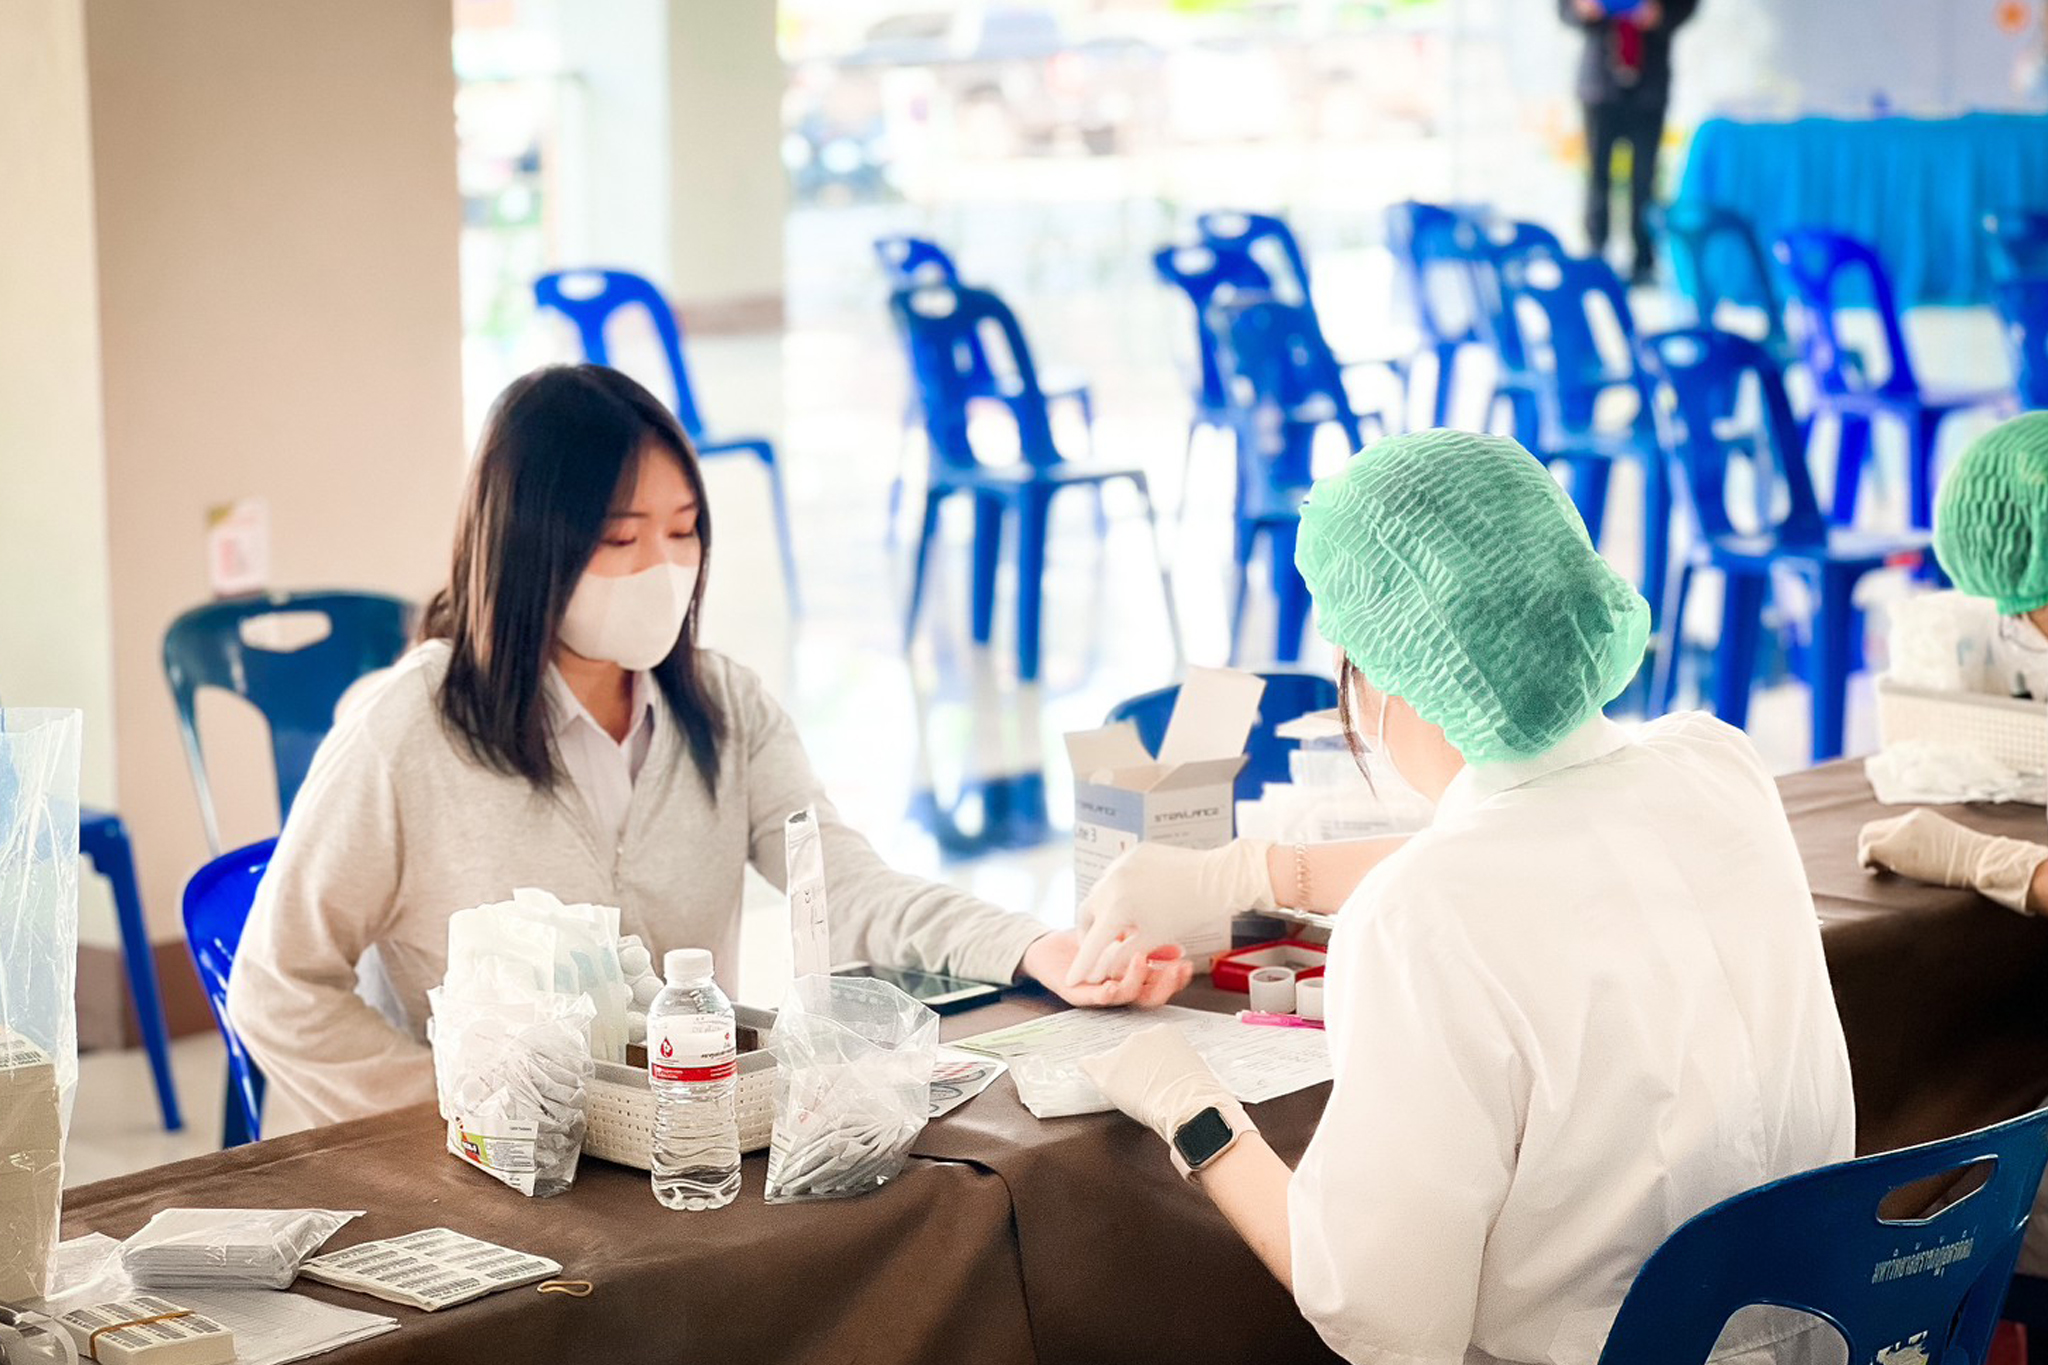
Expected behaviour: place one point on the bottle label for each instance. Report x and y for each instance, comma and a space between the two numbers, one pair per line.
691, 1048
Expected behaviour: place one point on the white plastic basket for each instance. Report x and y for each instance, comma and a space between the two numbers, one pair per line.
2012, 730
621, 1122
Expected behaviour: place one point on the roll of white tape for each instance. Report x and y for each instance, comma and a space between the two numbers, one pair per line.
1308, 998
1273, 990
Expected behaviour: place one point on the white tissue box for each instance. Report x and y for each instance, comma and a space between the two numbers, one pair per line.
620, 1127
2012, 730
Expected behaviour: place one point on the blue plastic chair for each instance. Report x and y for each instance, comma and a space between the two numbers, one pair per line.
1570, 377
2023, 308
1489, 251
1821, 267
1202, 274
217, 903
1694, 370
590, 298
1717, 256
910, 261
1267, 243
1821, 1242
1288, 695
103, 839
2018, 241
295, 690
937, 324
1423, 240
1283, 387
913, 262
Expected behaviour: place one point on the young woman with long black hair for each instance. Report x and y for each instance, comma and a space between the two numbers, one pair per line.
558, 726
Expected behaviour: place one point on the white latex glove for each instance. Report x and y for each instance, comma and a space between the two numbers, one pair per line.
1933, 848
1158, 1078
1156, 894
636, 964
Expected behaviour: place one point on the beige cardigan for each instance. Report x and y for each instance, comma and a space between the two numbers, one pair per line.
397, 827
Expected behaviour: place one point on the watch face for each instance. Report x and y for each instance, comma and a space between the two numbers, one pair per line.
1202, 1137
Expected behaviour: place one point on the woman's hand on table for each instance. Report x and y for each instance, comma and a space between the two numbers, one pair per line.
1148, 979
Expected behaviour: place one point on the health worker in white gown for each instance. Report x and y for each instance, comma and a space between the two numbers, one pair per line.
1586, 1003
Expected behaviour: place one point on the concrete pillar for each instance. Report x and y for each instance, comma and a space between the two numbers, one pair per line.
727, 191
56, 640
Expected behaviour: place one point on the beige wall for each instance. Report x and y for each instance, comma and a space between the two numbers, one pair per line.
279, 319
727, 193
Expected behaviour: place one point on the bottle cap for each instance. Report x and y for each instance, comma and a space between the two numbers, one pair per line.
686, 964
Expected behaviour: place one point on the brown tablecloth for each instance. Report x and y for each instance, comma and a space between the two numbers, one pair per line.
925, 1269
1072, 1240
1943, 995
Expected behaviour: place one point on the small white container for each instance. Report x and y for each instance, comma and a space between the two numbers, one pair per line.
621, 1117
2012, 730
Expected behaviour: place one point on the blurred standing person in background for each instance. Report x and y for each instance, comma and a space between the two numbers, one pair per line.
1624, 84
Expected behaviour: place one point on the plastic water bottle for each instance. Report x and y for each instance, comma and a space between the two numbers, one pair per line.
691, 1064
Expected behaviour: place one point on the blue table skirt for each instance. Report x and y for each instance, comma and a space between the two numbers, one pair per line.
1917, 189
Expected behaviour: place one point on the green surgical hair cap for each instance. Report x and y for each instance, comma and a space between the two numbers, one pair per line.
1991, 516
1455, 573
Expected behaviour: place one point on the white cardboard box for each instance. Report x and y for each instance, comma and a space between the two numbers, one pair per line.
31, 1166
1180, 796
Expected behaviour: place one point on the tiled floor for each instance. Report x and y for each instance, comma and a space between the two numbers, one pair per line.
883, 727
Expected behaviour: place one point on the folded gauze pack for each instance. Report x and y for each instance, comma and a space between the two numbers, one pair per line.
227, 1248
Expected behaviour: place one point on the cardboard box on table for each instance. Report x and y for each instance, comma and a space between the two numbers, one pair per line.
1125, 795
31, 1166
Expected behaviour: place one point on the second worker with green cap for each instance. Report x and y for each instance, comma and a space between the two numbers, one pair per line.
1584, 1004
1991, 536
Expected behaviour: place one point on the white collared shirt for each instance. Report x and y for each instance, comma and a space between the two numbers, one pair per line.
601, 768
1585, 1004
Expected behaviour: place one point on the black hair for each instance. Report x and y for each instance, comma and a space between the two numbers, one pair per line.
1348, 678
560, 450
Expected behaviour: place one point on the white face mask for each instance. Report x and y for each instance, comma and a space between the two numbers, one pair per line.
633, 620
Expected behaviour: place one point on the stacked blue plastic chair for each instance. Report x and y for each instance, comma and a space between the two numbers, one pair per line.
1573, 378
1284, 387
1423, 239
944, 326
1489, 252
1694, 371
1718, 258
590, 299
910, 262
1823, 268
217, 903
1288, 695
2023, 309
1202, 274
295, 689
2018, 241
1266, 242
1897, 1286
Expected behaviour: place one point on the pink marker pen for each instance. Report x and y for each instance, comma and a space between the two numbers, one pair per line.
1276, 1020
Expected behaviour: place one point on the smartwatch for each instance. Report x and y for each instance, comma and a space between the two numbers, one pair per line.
1202, 1139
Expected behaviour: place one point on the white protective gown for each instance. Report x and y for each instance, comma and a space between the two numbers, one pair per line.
1587, 1003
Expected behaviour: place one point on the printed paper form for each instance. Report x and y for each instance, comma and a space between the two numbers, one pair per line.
1257, 1063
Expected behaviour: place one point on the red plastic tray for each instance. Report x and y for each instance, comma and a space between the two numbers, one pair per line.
1233, 970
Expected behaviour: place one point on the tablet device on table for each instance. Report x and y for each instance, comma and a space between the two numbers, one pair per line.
941, 994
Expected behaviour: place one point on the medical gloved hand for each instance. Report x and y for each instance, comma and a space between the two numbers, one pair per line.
1156, 894
1158, 1078
1933, 848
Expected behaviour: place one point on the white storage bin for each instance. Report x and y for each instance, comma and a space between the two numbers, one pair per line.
621, 1124
2012, 730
